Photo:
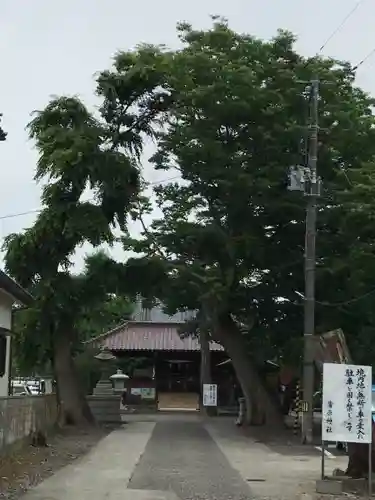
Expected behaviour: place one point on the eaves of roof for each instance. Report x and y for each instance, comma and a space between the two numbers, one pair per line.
15, 290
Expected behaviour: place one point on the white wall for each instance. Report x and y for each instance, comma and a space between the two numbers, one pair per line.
6, 303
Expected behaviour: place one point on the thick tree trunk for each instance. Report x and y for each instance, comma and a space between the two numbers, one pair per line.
260, 409
358, 465
74, 409
205, 368
358, 460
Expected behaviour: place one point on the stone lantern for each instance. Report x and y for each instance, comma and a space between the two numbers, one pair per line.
119, 379
105, 355
104, 386
105, 403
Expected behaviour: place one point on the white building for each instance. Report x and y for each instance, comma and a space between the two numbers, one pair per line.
10, 294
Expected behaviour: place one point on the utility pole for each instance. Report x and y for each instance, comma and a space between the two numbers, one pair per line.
312, 192
305, 178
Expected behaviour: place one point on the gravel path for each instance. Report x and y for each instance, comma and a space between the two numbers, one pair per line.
31, 465
182, 457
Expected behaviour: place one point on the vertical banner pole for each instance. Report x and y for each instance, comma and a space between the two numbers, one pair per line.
370, 469
323, 460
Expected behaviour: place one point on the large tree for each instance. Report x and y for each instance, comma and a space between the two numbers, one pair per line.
231, 234
79, 151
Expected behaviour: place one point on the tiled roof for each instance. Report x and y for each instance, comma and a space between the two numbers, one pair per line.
145, 336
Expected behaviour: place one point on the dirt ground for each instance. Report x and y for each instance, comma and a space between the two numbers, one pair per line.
31, 465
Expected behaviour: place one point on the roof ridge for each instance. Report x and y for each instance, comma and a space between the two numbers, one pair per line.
106, 334
125, 323
137, 336
149, 322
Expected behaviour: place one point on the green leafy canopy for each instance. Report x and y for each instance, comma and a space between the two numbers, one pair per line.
80, 153
230, 113
231, 233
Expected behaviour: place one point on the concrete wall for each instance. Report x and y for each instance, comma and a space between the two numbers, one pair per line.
6, 303
5, 310
22, 415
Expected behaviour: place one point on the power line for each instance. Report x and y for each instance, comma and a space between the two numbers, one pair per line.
20, 214
372, 52
339, 28
346, 302
343, 303
36, 210
341, 25
168, 179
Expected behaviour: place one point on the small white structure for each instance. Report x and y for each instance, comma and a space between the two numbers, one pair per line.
10, 294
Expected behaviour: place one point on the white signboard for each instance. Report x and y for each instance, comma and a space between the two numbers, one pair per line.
346, 412
209, 395
136, 391
148, 393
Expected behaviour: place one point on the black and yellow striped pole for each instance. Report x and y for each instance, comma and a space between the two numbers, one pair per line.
296, 423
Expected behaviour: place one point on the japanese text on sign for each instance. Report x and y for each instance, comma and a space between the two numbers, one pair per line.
209, 395
347, 403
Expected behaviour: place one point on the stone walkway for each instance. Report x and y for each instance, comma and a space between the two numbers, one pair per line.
103, 474
181, 458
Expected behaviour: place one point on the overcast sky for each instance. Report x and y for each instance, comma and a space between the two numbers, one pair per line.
53, 47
